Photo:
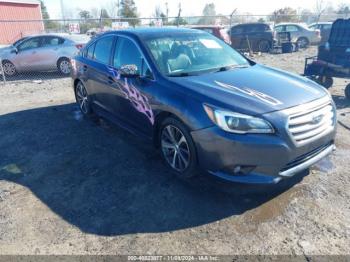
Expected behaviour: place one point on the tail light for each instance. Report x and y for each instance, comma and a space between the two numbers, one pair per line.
79, 46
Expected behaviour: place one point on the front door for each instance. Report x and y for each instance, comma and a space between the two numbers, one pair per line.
132, 95
27, 58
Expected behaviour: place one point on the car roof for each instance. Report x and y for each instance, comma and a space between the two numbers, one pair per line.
322, 23
149, 32
247, 24
207, 26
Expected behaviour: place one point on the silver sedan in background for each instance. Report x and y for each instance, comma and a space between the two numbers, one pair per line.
48, 52
300, 33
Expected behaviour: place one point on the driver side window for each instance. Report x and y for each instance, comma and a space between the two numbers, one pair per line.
127, 53
29, 44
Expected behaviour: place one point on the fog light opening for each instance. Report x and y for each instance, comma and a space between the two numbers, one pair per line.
240, 170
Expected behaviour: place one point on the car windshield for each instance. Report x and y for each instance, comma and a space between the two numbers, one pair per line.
193, 54
15, 44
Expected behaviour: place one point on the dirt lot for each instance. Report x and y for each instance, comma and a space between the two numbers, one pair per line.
72, 186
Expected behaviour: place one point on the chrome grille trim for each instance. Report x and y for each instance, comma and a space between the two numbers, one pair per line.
309, 122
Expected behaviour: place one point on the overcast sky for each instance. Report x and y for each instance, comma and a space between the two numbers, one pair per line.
189, 7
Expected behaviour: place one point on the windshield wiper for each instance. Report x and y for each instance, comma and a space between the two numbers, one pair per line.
183, 74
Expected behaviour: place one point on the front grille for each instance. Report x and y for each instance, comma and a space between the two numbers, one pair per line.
311, 121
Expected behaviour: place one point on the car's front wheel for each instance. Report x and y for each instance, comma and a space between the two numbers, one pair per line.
347, 91
177, 148
9, 68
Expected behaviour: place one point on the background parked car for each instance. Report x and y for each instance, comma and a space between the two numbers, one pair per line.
324, 27
300, 33
260, 36
41, 53
216, 30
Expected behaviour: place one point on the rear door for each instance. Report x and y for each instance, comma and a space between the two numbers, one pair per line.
237, 35
48, 53
97, 70
295, 32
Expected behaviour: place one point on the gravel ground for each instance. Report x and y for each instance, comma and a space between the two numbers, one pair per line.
73, 186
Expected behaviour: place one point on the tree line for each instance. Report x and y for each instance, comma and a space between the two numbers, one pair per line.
126, 10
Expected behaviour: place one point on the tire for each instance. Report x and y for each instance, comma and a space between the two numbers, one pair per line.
177, 148
9, 68
347, 91
303, 42
264, 46
325, 81
64, 66
83, 99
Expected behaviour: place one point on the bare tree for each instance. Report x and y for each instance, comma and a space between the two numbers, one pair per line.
320, 8
112, 8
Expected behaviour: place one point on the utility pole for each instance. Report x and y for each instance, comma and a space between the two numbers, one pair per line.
178, 16
63, 14
167, 10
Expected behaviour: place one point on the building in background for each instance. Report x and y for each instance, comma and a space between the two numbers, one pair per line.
17, 19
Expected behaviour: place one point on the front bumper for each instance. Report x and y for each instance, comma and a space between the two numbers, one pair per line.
264, 159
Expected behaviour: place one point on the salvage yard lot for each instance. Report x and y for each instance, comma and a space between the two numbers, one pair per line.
73, 186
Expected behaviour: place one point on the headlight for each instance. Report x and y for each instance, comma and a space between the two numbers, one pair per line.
238, 123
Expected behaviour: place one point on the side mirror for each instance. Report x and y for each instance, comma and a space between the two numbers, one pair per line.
14, 50
129, 71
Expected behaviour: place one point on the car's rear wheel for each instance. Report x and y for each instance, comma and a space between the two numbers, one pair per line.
9, 68
264, 46
325, 81
177, 148
303, 42
347, 91
64, 66
83, 99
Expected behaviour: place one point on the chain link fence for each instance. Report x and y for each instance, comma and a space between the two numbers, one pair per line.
46, 57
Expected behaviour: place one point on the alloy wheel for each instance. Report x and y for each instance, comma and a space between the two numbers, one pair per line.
82, 98
9, 69
303, 42
175, 148
65, 67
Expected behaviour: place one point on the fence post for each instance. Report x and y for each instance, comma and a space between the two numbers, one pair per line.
2, 72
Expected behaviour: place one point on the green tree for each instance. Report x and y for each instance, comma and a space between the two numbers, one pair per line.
208, 15
48, 24
84, 14
343, 9
128, 9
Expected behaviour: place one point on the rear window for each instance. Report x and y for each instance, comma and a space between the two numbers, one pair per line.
237, 30
90, 51
80, 39
257, 28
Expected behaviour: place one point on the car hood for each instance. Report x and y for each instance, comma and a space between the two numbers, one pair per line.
5, 50
255, 90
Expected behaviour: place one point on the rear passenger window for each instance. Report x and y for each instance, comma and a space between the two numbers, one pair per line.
50, 41
292, 28
103, 49
90, 51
